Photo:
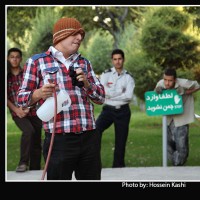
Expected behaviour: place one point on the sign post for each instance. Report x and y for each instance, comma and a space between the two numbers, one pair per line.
164, 140
167, 103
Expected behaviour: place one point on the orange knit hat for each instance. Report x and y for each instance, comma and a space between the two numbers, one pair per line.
65, 27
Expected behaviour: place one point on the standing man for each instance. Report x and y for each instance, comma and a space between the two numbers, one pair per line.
119, 86
25, 118
178, 125
76, 146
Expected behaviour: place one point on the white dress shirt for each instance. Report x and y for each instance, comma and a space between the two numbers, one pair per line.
118, 88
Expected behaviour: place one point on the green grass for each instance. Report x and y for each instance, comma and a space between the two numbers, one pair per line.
144, 144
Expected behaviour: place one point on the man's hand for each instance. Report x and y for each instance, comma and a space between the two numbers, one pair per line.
180, 90
46, 91
21, 112
158, 90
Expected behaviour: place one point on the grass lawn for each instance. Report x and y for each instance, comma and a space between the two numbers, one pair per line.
144, 144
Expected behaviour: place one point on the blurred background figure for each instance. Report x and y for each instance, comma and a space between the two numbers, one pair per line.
24, 117
178, 125
119, 86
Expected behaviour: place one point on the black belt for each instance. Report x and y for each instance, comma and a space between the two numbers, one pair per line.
116, 107
76, 133
63, 134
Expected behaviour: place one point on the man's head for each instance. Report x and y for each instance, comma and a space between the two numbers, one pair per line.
66, 27
169, 78
117, 56
14, 57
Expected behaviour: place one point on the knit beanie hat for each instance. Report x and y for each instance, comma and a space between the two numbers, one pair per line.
65, 27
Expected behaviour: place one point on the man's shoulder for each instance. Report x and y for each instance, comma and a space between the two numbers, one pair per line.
161, 81
107, 70
39, 55
129, 73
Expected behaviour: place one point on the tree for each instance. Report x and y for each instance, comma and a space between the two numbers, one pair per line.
41, 34
113, 19
195, 11
107, 18
165, 39
18, 23
99, 51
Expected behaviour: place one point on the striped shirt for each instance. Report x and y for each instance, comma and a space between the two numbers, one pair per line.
80, 115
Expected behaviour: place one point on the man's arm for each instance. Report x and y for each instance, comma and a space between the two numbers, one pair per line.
190, 91
11, 106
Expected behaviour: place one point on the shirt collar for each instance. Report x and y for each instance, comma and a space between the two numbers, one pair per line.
57, 54
114, 71
176, 85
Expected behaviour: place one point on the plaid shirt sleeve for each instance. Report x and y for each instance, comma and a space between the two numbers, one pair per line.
96, 90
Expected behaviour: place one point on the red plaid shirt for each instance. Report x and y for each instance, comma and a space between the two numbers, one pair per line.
13, 83
80, 116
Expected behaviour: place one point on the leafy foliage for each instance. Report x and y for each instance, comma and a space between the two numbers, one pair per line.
99, 51
195, 11
41, 34
145, 73
18, 23
152, 38
164, 39
127, 42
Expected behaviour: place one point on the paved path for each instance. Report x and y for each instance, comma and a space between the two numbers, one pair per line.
124, 174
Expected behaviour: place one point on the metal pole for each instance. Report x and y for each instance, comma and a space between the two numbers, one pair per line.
164, 126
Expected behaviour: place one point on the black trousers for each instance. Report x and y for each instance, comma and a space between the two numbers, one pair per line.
78, 153
30, 145
121, 118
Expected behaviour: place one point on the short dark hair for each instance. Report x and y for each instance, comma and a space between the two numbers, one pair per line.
170, 72
117, 51
14, 49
